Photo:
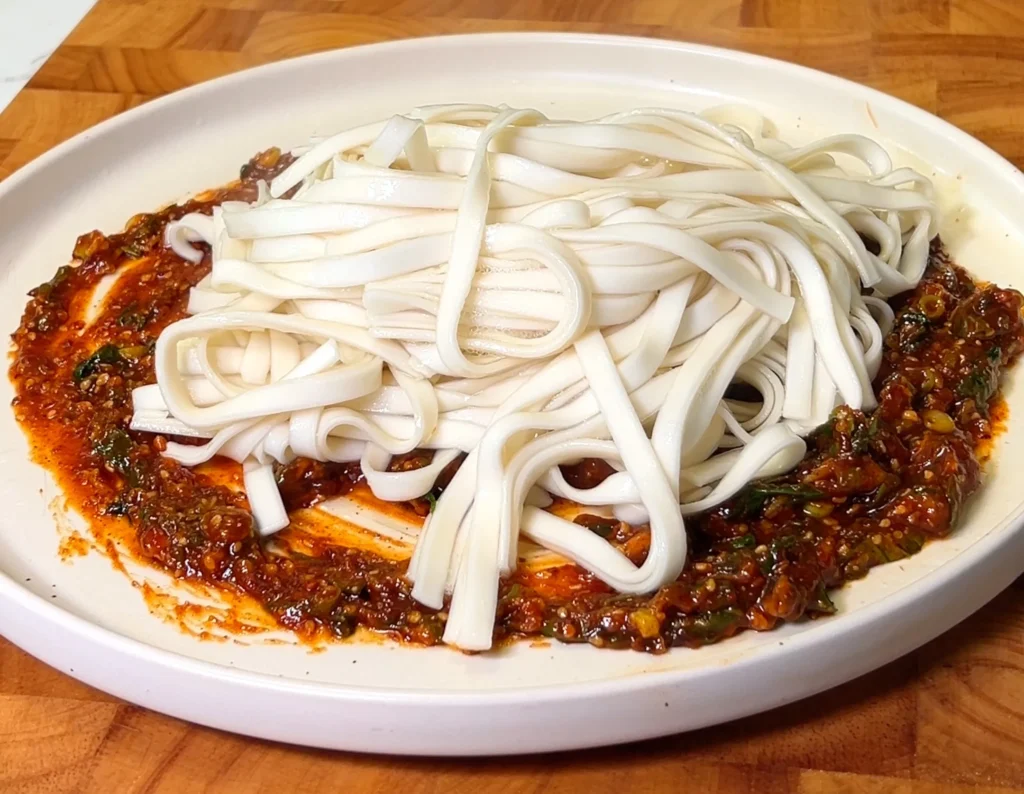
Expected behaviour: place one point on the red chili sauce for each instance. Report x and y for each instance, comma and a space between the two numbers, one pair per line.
873, 488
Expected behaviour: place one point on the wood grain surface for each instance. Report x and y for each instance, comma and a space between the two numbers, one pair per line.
948, 718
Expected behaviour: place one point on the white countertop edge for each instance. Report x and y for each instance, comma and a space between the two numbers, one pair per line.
36, 29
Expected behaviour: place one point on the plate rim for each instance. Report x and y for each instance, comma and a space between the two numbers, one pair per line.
995, 539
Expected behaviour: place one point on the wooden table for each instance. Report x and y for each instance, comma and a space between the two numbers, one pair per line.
949, 717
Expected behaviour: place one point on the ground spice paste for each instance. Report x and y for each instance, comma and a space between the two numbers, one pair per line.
873, 487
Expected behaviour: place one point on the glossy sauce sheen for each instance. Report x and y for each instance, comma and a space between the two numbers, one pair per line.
872, 488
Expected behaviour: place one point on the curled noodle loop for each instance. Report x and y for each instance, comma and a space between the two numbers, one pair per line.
527, 292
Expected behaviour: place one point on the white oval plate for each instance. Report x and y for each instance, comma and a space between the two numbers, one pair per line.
86, 619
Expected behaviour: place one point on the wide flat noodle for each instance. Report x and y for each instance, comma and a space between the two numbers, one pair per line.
529, 292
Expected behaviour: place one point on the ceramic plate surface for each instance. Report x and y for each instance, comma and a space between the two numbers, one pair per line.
87, 620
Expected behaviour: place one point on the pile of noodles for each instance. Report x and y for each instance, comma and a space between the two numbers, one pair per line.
484, 280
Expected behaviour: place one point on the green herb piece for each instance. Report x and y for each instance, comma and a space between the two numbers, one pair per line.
971, 386
911, 542
136, 249
979, 385
322, 604
604, 529
431, 500
514, 592
819, 510
983, 380
824, 436
131, 317
873, 553
821, 602
882, 493
713, 626
86, 245
115, 449
776, 552
44, 290
891, 549
865, 434
913, 317
135, 352
747, 541
108, 354
141, 237
750, 500
911, 327
802, 492
825, 431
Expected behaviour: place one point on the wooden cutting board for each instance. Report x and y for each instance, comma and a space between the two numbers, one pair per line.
948, 718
